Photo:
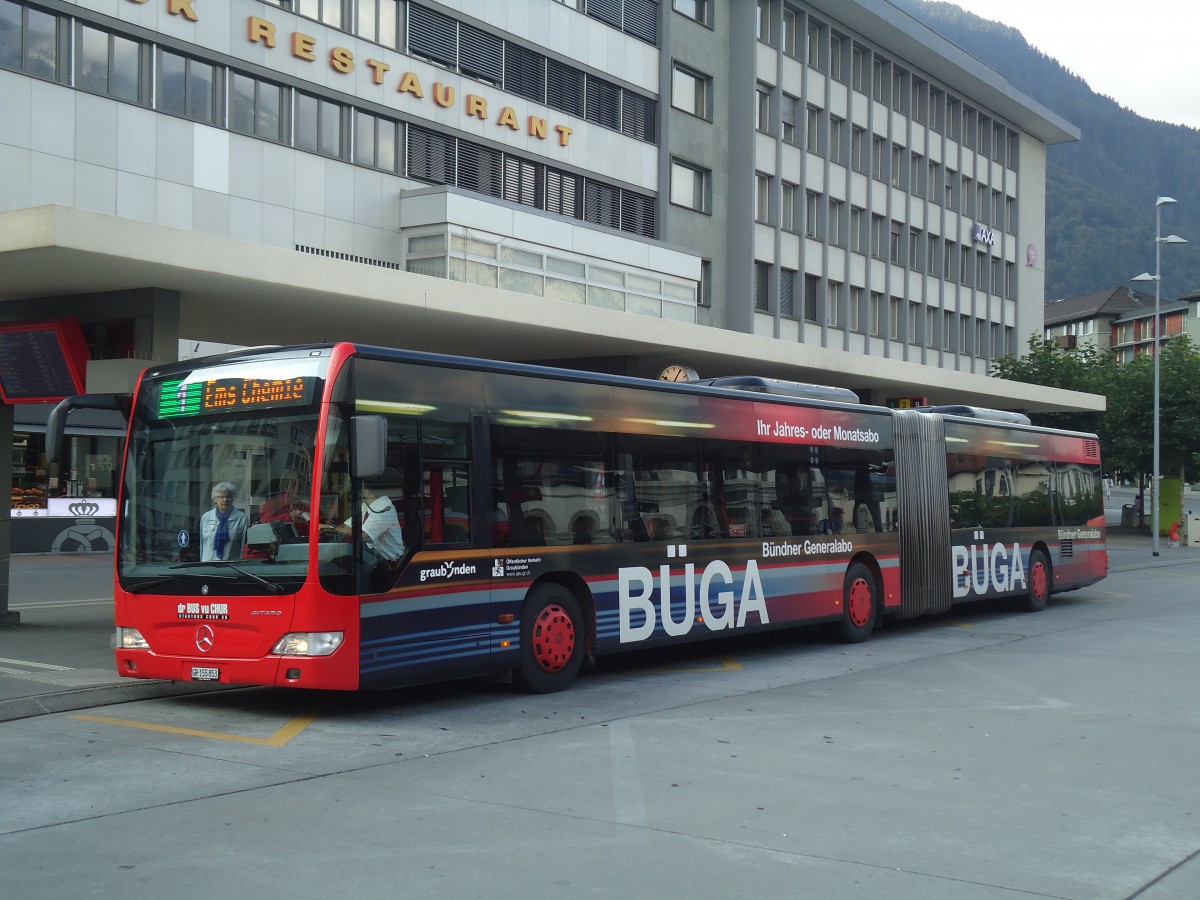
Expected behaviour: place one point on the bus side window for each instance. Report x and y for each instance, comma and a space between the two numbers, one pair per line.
447, 499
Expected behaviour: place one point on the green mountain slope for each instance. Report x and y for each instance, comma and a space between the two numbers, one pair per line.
1100, 189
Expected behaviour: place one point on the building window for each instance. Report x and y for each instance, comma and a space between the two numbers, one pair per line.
858, 138
108, 64
787, 293
875, 314
256, 107
858, 229
812, 136
431, 156
28, 40
376, 142
481, 55
523, 181
705, 298
812, 217
690, 186
895, 307
895, 253
833, 308
837, 60
793, 21
762, 198
811, 285
833, 224
327, 11
764, 23
899, 90
699, 10
858, 69
855, 317
878, 236
762, 280
815, 48
898, 167
788, 118
762, 118
915, 256
877, 158
835, 139
790, 219
920, 92
186, 87
969, 125
378, 21
690, 91
318, 125
481, 169
879, 79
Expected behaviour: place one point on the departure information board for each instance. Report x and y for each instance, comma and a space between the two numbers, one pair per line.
42, 362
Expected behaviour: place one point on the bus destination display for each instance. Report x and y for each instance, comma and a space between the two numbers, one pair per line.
197, 398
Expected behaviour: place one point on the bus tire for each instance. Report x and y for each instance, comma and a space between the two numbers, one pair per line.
1039, 581
552, 640
860, 604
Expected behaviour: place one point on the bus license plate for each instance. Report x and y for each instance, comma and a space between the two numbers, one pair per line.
205, 673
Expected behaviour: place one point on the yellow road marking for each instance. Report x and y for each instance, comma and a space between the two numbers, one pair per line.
728, 664
278, 739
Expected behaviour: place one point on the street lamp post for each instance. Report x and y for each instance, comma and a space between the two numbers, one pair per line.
1159, 240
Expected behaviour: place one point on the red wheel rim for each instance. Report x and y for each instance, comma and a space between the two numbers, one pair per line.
860, 602
553, 638
1040, 579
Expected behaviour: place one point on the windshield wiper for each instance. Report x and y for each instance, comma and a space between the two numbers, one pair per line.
155, 582
269, 585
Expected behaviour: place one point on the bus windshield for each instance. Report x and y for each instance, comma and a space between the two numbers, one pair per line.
218, 480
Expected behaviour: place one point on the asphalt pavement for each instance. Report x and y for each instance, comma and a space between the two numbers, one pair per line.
60, 656
985, 754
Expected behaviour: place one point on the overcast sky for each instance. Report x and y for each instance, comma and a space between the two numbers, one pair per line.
1143, 55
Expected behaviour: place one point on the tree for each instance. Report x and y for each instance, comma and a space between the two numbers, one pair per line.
1087, 369
1126, 427
1130, 442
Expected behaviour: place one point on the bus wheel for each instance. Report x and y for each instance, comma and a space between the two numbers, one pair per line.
859, 604
1039, 583
552, 640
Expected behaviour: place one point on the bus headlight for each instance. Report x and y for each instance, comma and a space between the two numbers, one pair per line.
131, 639
310, 643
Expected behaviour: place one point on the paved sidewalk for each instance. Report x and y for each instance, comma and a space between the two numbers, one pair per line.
60, 656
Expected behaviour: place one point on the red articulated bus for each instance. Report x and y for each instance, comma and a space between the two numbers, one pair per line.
546, 516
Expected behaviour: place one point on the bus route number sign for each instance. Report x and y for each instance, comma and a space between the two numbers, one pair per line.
196, 398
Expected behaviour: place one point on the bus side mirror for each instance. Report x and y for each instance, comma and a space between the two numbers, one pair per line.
368, 435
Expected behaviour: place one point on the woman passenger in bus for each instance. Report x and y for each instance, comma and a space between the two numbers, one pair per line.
222, 528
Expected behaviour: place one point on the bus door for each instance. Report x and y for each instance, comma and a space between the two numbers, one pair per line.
425, 607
